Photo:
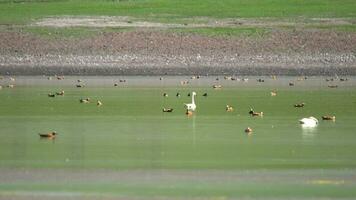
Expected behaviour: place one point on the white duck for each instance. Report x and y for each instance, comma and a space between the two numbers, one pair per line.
309, 122
191, 106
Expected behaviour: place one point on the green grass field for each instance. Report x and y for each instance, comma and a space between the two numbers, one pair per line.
129, 132
180, 12
12, 12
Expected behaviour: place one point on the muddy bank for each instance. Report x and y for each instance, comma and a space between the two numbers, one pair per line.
147, 52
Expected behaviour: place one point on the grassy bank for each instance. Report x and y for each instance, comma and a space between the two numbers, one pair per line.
13, 12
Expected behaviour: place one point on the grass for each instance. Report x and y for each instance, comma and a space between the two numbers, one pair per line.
225, 32
14, 13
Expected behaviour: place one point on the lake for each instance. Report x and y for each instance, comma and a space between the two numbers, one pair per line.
128, 148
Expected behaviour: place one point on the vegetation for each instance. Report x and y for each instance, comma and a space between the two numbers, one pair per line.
23, 11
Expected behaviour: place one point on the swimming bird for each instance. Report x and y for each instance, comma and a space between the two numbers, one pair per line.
165, 94
51, 95
205, 94
217, 86
50, 135
178, 94
79, 85
167, 110
248, 130
273, 93
98, 103
332, 86
61, 93
328, 117
255, 114
291, 84
309, 122
299, 105
10, 86
87, 100
189, 113
229, 108
191, 106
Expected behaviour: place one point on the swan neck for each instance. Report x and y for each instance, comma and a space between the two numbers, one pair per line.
193, 99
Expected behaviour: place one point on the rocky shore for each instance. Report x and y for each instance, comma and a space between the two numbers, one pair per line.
147, 52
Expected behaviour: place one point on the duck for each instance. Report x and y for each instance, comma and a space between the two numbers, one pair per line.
10, 86
189, 113
229, 108
332, 86
51, 95
167, 110
191, 106
178, 94
50, 135
255, 114
309, 121
217, 86
299, 105
328, 117
116, 84
61, 93
205, 94
273, 93
184, 82
260, 80
79, 85
60, 77
122, 80
291, 84
98, 103
165, 94
87, 100
248, 130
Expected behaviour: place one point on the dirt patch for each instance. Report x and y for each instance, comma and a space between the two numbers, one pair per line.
149, 51
125, 21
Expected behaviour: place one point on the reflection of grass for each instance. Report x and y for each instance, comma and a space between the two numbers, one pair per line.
224, 31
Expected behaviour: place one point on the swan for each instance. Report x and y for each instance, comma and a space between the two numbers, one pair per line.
309, 122
191, 106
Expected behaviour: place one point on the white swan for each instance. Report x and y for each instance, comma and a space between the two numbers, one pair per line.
309, 122
191, 106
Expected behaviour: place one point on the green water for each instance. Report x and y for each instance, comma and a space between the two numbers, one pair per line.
130, 132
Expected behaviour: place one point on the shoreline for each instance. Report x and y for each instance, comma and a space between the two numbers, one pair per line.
149, 52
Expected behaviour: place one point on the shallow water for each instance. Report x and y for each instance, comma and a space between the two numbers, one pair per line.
130, 132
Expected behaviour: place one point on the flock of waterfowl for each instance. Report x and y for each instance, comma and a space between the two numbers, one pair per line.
191, 107
307, 122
